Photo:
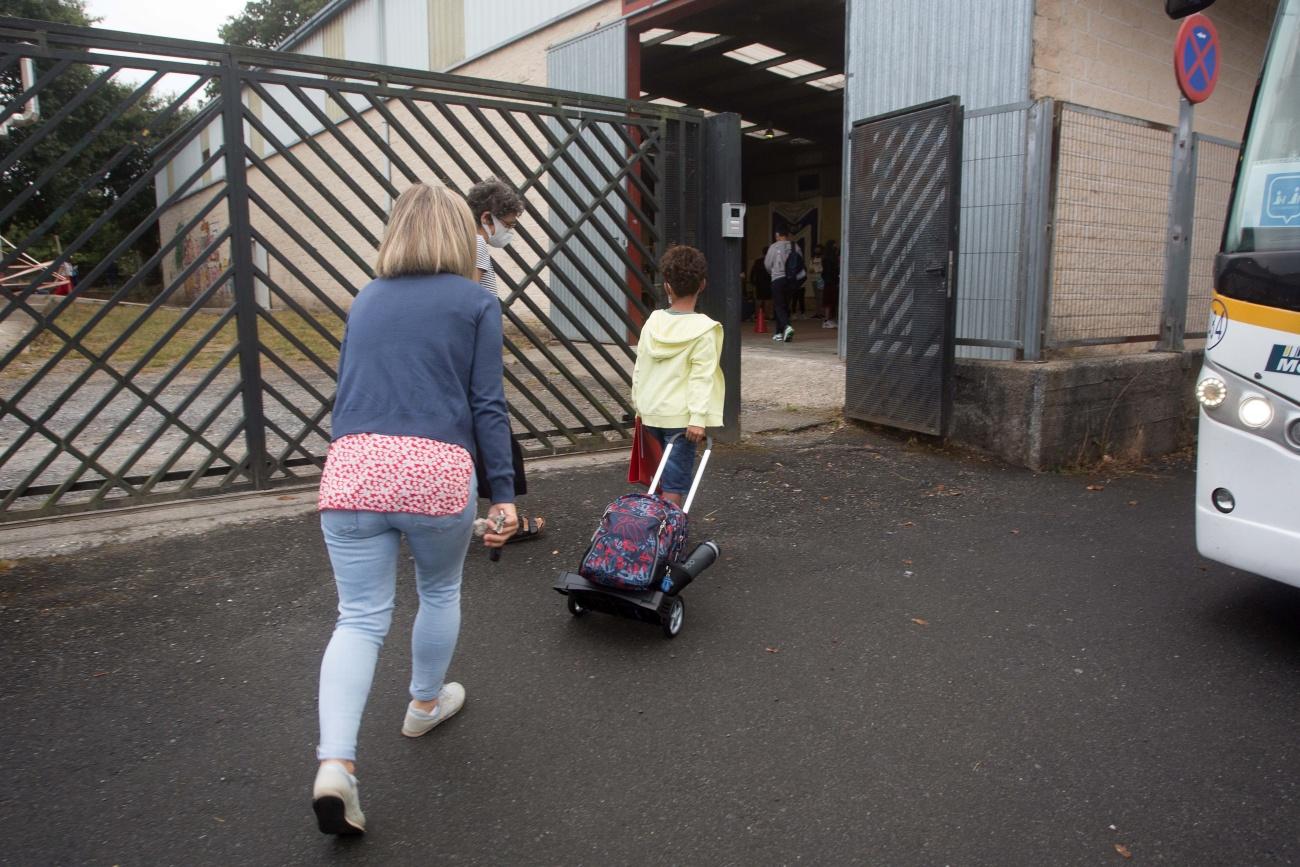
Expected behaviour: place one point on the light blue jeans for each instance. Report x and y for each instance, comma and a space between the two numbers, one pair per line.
363, 549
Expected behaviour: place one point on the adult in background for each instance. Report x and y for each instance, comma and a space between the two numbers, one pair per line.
419, 395
496, 208
815, 272
762, 283
775, 263
831, 278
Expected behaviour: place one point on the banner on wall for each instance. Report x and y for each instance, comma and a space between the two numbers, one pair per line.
801, 220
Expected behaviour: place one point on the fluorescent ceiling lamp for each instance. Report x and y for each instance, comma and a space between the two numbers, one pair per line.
671, 103
762, 132
755, 52
796, 68
830, 82
647, 35
686, 40
746, 124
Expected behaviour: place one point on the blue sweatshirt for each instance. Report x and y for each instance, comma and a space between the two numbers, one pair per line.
421, 357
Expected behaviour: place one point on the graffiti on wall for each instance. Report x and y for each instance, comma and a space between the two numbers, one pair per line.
209, 272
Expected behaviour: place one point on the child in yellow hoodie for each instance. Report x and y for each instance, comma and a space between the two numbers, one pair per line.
677, 384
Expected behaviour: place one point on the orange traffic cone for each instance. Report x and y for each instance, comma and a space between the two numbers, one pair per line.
760, 324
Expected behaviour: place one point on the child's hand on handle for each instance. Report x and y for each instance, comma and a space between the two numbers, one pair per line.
695, 434
503, 521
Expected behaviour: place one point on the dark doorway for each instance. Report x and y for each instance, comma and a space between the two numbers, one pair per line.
781, 68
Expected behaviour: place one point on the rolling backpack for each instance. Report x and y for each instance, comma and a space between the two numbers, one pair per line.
638, 536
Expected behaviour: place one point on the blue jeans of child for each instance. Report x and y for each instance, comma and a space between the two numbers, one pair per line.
677, 475
363, 549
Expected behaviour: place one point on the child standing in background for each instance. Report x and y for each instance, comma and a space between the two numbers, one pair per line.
677, 384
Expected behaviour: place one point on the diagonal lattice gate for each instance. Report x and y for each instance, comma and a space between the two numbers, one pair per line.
223, 206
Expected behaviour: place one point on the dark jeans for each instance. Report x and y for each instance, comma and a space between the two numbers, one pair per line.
677, 475
781, 304
831, 295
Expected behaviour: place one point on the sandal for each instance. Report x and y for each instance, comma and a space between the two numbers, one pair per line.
529, 528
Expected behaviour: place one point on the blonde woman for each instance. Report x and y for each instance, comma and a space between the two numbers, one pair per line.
419, 390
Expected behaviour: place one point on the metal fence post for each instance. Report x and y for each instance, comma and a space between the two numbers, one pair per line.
241, 260
1178, 251
723, 296
1037, 229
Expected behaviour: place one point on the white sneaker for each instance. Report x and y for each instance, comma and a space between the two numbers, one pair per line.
336, 798
788, 334
451, 698
833, 324
826, 323
777, 336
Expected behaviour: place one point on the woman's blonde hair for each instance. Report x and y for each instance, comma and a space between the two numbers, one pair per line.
430, 231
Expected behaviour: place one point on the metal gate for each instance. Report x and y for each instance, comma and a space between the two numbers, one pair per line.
902, 265
222, 228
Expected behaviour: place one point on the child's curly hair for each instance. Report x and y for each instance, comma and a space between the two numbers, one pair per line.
684, 269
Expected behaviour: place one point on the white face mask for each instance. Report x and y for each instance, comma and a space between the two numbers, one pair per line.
498, 234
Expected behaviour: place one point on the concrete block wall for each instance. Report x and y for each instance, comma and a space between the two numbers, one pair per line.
524, 61
1063, 414
1117, 55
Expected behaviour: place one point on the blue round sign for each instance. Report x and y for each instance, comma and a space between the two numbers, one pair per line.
1196, 58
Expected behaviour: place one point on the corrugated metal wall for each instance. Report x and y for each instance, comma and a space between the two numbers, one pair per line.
406, 33
360, 25
446, 32
990, 274
904, 54
491, 22
593, 63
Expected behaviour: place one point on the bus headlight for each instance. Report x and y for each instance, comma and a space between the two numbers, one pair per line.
1211, 392
1255, 411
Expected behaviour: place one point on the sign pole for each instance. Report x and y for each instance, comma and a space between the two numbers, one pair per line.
1196, 69
1178, 247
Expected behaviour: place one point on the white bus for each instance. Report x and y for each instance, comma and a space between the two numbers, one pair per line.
1248, 460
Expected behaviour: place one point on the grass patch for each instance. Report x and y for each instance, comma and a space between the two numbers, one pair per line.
151, 330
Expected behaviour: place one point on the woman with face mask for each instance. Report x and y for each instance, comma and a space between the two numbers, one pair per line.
496, 209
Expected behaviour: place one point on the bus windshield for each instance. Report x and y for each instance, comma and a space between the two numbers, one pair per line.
1265, 214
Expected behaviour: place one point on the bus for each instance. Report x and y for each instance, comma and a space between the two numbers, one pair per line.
1248, 452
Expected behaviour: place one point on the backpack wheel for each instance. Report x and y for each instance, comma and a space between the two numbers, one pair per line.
672, 623
574, 606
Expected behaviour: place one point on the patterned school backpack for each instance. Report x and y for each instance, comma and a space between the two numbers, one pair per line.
638, 536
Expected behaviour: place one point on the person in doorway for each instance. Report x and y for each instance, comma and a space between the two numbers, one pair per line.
831, 279
677, 382
496, 208
419, 393
762, 283
775, 263
815, 268
798, 299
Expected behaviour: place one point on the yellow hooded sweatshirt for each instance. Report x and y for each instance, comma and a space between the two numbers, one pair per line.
677, 381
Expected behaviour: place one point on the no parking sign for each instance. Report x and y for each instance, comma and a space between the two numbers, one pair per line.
1196, 58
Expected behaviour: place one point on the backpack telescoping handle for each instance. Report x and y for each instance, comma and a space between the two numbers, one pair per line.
699, 474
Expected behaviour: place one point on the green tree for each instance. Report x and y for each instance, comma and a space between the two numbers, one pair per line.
267, 23
58, 159
60, 11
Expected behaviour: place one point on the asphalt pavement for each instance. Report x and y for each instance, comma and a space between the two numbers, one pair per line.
905, 657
